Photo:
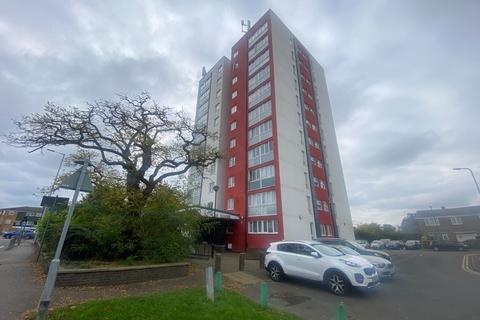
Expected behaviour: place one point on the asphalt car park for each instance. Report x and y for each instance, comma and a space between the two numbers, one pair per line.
427, 285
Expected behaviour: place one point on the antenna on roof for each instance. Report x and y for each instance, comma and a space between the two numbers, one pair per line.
246, 26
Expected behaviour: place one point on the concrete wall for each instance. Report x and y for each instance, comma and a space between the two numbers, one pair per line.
291, 143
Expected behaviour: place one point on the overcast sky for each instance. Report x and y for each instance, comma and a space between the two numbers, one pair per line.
403, 77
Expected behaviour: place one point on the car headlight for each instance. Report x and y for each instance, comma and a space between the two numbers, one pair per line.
380, 265
350, 263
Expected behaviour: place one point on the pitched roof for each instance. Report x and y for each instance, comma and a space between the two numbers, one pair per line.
21, 209
462, 211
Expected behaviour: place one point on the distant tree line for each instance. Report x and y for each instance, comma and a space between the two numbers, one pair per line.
374, 231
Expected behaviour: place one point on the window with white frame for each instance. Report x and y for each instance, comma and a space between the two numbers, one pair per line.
325, 206
260, 32
210, 187
217, 107
329, 230
259, 46
235, 66
215, 122
316, 162
202, 109
233, 125
260, 132
319, 205
233, 143
218, 94
230, 204
231, 162
323, 230
260, 154
234, 94
262, 203
259, 113
456, 221
316, 182
259, 62
444, 236
233, 110
322, 184
231, 182
263, 226
258, 95
261, 177
234, 80
235, 54
431, 221
220, 68
259, 77
219, 80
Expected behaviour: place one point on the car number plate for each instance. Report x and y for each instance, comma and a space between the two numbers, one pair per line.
374, 278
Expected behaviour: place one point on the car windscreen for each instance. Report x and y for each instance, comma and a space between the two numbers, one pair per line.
328, 251
347, 250
356, 245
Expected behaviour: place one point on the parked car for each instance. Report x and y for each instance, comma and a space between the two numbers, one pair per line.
385, 268
315, 261
437, 245
353, 245
27, 234
412, 244
363, 243
394, 245
377, 244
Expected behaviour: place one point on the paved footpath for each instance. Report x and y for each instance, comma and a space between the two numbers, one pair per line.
19, 290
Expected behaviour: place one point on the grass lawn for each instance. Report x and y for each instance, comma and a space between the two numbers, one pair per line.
182, 304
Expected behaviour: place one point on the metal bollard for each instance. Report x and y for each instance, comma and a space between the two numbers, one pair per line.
218, 262
241, 261
341, 312
219, 281
261, 261
263, 294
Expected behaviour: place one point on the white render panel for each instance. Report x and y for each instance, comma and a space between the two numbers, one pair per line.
293, 186
216, 176
333, 163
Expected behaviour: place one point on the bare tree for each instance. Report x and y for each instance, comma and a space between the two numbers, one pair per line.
149, 142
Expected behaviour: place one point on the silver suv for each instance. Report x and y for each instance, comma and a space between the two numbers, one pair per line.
315, 261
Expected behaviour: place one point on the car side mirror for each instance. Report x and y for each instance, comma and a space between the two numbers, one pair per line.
314, 254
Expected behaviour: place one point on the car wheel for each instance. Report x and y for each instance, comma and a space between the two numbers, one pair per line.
275, 271
338, 284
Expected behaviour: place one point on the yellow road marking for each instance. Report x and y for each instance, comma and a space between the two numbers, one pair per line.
466, 266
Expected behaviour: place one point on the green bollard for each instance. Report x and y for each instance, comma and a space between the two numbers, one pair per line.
263, 294
341, 312
219, 281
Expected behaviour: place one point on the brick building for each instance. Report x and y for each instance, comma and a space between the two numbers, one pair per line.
11, 218
457, 224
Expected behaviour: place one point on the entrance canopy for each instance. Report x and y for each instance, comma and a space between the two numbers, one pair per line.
216, 213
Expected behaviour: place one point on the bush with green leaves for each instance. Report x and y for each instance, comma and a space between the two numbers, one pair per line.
106, 227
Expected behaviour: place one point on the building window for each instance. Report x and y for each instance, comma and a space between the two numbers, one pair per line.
219, 93
258, 95
231, 162
231, 182
263, 203
230, 204
233, 125
456, 221
325, 206
431, 221
8, 221
323, 230
234, 94
322, 184
316, 182
259, 113
233, 110
234, 80
263, 226
210, 187
220, 68
329, 230
233, 143
217, 107
215, 122
260, 32
259, 77
259, 62
261, 177
202, 109
444, 236
319, 205
235, 54
260, 154
219, 80
259, 46
204, 96
260, 132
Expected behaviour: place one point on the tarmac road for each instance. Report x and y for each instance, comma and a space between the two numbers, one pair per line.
428, 285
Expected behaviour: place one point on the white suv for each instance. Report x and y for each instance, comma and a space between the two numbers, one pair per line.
315, 261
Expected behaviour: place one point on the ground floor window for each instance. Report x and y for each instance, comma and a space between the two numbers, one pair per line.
263, 226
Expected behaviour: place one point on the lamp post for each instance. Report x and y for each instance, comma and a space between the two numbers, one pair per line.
45, 210
473, 176
215, 189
